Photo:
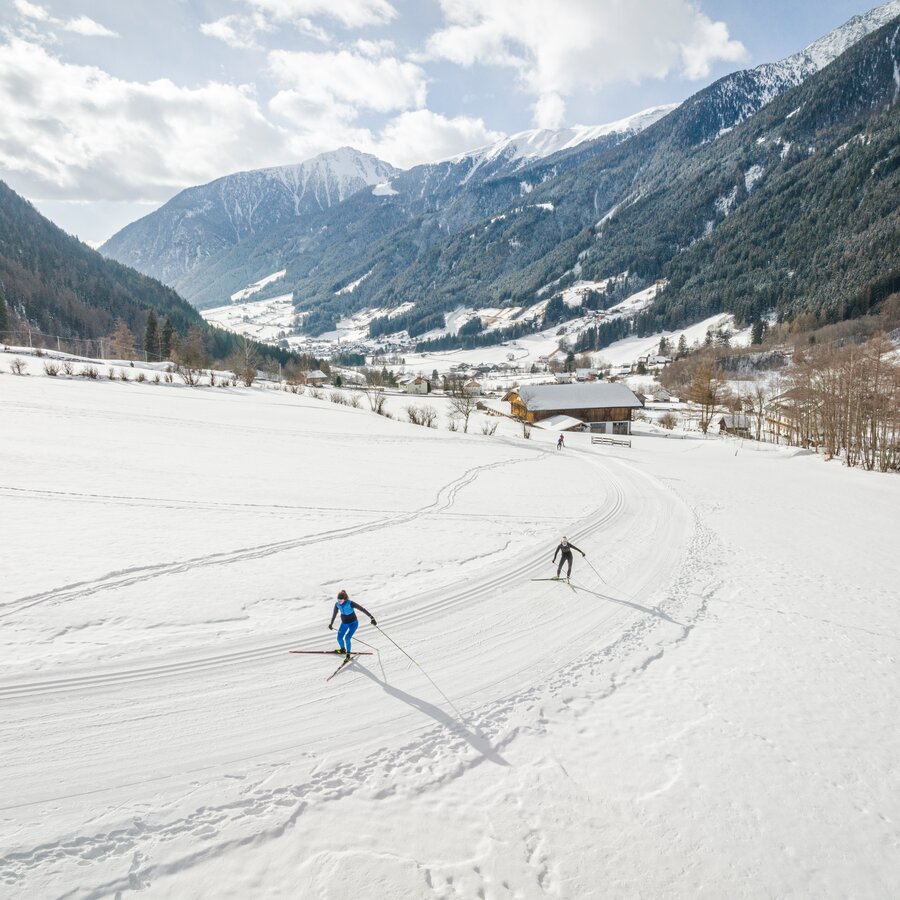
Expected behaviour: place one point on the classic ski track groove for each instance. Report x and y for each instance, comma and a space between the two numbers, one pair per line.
445, 499
695, 583
439, 598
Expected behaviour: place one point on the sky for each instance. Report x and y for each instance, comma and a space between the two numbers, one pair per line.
111, 108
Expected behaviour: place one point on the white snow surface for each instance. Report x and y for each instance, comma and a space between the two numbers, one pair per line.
711, 712
257, 286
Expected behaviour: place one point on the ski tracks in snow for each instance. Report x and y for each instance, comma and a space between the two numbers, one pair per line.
439, 755
444, 501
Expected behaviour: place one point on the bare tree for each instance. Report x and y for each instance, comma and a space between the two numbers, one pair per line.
755, 401
244, 361
706, 392
462, 404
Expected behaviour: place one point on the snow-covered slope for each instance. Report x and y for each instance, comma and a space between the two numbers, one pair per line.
200, 222
711, 712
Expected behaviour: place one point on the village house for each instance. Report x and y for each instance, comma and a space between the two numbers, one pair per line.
418, 384
604, 407
316, 378
473, 388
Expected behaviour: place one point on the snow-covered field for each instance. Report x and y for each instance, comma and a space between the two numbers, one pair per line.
710, 713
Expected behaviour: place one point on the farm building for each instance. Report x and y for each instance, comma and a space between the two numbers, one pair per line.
604, 407
316, 377
738, 425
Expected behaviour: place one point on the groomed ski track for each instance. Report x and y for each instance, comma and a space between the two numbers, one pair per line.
496, 644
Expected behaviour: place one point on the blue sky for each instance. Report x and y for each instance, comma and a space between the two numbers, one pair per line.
111, 108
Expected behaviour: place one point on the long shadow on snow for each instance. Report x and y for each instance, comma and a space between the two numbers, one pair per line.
481, 744
651, 610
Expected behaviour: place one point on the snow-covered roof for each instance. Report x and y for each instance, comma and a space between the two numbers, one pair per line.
316, 373
584, 395
558, 423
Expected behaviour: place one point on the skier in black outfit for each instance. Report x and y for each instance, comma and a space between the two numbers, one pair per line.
349, 623
565, 548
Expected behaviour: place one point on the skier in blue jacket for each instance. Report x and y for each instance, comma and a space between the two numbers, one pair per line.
349, 623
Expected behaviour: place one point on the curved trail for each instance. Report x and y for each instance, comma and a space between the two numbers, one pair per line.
115, 580
495, 695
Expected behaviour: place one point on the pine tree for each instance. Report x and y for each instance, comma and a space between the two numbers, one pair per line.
757, 332
151, 337
4, 319
663, 347
682, 347
167, 342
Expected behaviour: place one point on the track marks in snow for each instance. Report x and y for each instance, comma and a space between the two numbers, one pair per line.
436, 755
444, 501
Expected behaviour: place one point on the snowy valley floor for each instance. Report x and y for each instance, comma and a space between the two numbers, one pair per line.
713, 715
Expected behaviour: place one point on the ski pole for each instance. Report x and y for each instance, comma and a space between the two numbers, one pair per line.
452, 704
595, 571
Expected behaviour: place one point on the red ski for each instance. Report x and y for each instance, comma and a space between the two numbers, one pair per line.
344, 663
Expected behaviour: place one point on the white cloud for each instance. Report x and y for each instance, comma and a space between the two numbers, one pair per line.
82, 25
241, 31
73, 131
557, 48
87, 27
424, 136
350, 13
32, 10
344, 81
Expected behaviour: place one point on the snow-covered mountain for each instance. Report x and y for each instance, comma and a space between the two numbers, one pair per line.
538, 143
738, 96
200, 222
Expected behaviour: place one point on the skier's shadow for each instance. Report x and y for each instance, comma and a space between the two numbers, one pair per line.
481, 744
650, 610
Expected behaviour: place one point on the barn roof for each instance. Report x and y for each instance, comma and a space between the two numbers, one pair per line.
585, 395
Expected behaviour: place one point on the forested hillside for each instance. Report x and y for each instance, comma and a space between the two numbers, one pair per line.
54, 285
795, 209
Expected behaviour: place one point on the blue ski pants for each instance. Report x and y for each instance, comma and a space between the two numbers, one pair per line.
345, 632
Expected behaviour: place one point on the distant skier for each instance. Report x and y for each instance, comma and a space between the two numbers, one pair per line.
349, 623
565, 548
560, 443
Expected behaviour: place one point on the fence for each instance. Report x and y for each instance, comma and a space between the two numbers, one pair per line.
602, 439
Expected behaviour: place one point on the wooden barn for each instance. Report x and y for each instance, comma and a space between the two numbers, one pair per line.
603, 407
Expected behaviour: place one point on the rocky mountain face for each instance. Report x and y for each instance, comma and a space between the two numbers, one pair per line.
210, 241
199, 223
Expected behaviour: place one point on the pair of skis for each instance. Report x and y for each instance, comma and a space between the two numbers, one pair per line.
344, 661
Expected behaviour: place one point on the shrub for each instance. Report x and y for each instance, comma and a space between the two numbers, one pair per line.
124, 375
336, 397
111, 372
17, 366
315, 393
489, 427
68, 368
91, 372
156, 377
453, 424
668, 420
354, 401
51, 369
169, 378
141, 376
526, 431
